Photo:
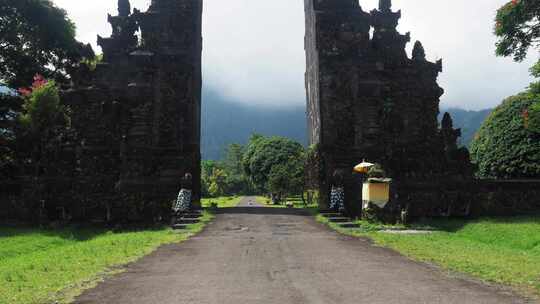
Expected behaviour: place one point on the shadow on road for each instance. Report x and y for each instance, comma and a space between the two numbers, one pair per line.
263, 211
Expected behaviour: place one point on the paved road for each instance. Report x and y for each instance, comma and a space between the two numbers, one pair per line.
281, 256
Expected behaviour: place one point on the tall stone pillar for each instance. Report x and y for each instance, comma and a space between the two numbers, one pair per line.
171, 33
366, 99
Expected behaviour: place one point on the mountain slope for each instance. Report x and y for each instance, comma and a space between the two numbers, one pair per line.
468, 121
225, 122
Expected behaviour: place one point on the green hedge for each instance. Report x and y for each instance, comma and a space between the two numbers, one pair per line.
508, 143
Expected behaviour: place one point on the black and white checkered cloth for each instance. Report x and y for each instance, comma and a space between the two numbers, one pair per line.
183, 202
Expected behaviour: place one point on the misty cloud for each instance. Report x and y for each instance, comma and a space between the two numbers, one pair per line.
254, 49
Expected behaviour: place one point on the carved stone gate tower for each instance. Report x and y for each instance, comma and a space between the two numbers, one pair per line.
138, 114
368, 100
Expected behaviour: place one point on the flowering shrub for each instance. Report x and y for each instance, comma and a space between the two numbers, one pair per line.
507, 145
38, 82
533, 117
41, 108
516, 26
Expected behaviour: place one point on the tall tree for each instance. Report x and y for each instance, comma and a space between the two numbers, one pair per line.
287, 178
517, 25
507, 144
267, 157
233, 159
37, 37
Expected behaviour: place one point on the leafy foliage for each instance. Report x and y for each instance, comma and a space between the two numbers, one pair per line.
233, 158
37, 37
506, 145
534, 117
377, 171
274, 164
218, 184
288, 177
225, 177
518, 28
41, 107
517, 25
41, 125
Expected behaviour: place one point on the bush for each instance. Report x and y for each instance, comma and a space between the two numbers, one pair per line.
508, 143
275, 164
42, 107
534, 117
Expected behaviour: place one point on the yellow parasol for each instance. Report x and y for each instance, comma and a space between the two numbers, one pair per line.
363, 167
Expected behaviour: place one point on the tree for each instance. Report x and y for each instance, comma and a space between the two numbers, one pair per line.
42, 119
288, 178
233, 159
37, 37
207, 170
278, 182
517, 25
41, 107
264, 153
507, 145
218, 183
533, 114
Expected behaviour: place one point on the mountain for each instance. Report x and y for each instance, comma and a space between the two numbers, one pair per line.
468, 121
225, 121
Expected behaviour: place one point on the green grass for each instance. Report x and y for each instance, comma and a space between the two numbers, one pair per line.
223, 202
501, 250
43, 266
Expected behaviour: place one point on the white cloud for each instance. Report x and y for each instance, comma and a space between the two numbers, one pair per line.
254, 51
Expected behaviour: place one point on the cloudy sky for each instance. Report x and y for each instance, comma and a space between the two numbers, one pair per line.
254, 52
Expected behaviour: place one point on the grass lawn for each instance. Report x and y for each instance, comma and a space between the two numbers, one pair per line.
502, 250
223, 202
41, 266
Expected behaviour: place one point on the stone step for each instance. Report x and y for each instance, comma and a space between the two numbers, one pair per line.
179, 227
324, 211
339, 219
191, 215
349, 225
332, 215
187, 221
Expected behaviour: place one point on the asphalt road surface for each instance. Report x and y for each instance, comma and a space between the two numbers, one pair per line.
251, 254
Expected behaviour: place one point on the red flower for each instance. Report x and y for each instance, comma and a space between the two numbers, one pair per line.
526, 118
39, 81
25, 91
